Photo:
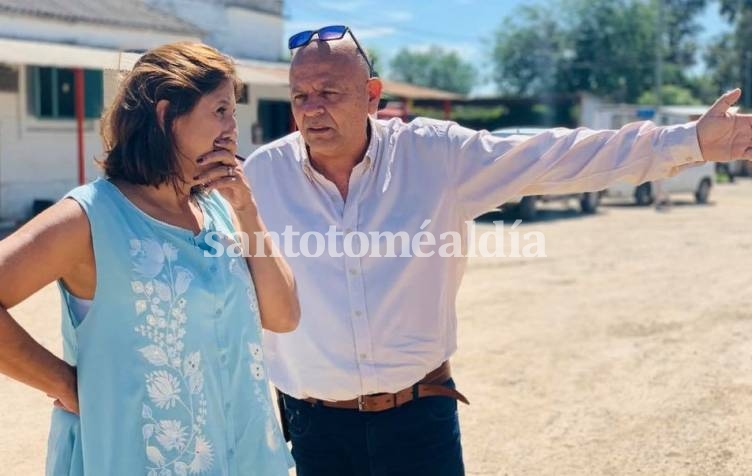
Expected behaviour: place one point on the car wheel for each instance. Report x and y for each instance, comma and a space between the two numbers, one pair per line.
527, 208
703, 191
589, 202
643, 195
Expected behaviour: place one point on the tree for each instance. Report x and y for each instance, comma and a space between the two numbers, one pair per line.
607, 47
435, 68
729, 59
375, 57
614, 48
670, 95
529, 47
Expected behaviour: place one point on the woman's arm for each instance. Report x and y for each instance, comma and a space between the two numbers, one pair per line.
54, 245
275, 284
272, 276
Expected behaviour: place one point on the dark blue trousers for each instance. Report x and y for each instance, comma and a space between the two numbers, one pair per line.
420, 438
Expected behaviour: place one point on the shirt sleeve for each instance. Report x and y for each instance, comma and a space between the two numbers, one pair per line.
487, 171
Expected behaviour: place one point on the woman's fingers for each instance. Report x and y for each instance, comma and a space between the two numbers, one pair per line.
219, 156
217, 172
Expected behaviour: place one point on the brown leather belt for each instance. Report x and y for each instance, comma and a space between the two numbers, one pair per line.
428, 386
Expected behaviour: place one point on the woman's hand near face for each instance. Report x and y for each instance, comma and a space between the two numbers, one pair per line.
220, 170
275, 285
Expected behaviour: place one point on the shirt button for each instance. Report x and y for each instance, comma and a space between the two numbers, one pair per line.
218, 312
363, 356
223, 358
358, 313
213, 268
353, 271
227, 406
231, 452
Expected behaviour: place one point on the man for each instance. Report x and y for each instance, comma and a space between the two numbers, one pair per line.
365, 378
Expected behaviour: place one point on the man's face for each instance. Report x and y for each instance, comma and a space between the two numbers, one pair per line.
330, 102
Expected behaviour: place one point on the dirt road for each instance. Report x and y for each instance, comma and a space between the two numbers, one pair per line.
626, 351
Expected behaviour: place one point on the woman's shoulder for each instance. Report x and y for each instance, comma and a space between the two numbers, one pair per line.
87, 194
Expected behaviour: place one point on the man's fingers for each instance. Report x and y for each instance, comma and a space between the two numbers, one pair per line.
723, 103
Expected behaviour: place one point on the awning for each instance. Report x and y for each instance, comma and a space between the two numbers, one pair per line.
412, 91
59, 55
63, 56
397, 89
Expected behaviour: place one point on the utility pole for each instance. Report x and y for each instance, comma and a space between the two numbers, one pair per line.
747, 79
658, 82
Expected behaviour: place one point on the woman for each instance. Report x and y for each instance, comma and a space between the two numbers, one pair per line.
163, 371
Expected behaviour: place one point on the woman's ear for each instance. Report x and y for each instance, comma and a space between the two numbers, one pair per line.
162, 106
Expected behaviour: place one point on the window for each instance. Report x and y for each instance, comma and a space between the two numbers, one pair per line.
8, 78
51, 93
275, 119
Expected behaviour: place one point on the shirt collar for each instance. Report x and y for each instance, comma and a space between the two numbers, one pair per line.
369, 160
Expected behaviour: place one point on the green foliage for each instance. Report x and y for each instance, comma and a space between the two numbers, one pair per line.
606, 47
435, 68
670, 95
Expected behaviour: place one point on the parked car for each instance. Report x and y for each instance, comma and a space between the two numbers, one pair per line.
697, 180
527, 207
735, 168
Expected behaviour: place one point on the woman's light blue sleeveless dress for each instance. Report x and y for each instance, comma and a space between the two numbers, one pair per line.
171, 375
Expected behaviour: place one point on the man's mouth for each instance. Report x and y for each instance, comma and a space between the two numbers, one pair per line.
318, 130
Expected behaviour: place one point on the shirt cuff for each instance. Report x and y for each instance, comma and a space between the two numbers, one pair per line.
682, 144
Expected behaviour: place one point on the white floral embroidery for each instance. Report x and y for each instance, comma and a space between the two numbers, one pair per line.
172, 434
174, 446
260, 388
257, 370
203, 455
256, 352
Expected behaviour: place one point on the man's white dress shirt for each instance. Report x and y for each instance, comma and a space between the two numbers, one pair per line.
379, 324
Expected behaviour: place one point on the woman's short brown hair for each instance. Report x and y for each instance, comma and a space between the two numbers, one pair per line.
137, 149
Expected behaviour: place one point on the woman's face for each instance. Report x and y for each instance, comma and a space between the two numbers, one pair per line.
212, 120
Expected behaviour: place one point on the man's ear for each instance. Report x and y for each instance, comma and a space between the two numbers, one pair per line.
162, 106
374, 94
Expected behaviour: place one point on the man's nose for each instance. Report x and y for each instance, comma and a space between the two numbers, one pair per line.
313, 107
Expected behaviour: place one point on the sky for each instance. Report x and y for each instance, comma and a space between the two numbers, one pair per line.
465, 26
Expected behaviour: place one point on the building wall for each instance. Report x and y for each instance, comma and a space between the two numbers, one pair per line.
103, 36
38, 158
240, 32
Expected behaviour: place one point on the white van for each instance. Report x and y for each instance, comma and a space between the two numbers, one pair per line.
693, 180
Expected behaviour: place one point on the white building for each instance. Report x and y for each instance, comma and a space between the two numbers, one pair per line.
42, 42
598, 114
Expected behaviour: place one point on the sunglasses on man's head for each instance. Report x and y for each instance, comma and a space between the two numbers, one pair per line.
328, 33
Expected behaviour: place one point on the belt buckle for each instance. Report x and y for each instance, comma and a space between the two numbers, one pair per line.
361, 403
